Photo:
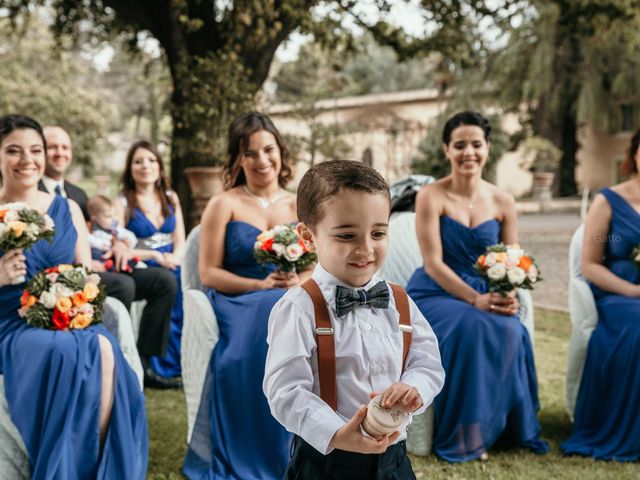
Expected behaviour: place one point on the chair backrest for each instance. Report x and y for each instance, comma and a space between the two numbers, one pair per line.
575, 253
404, 255
190, 275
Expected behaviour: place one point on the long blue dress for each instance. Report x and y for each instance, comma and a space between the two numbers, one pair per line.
235, 437
491, 388
607, 424
53, 384
159, 240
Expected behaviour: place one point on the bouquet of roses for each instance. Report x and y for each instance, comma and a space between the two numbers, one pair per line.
507, 267
282, 246
635, 256
22, 226
65, 297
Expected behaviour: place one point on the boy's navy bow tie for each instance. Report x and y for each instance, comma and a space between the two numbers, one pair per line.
348, 298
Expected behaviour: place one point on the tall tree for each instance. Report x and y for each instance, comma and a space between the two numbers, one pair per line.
565, 62
219, 52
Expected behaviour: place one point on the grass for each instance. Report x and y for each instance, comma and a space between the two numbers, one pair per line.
167, 429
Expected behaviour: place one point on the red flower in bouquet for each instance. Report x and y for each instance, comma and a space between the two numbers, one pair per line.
60, 320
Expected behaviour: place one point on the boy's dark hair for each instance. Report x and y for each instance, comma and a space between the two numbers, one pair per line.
326, 179
97, 204
466, 118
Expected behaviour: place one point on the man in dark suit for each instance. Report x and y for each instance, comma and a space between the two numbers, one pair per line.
158, 286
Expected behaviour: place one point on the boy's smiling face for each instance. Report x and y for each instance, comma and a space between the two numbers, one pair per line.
351, 237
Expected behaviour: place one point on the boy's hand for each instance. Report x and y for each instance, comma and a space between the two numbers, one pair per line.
402, 396
351, 439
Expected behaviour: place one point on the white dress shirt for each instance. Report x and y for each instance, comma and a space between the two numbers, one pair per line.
50, 184
368, 345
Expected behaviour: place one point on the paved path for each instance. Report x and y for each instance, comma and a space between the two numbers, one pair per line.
547, 238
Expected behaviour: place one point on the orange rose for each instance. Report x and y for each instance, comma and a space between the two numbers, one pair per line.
31, 301
2, 214
80, 321
79, 299
90, 291
24, 298
17, 226
482, 260
525, 262
63, 304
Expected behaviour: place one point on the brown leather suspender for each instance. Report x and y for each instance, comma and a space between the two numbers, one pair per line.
324, 337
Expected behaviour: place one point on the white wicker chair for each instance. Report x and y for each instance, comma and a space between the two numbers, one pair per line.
199, 331
14, 462
584, 318
403, 258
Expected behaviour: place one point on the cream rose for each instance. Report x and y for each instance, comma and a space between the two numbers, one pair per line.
516, 276
532, 274
490, 259
497, 271
293, 252
48, 299
278, 248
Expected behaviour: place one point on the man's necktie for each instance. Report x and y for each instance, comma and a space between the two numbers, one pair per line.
348, 298
58, 190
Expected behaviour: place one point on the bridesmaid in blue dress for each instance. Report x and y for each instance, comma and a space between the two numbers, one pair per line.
150, 210
490, 388
235, 437
72, 396
607, 424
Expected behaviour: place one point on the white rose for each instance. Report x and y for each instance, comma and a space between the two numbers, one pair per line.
490, 259
48, 222
32, 230
278, 248
532, 274
86, 309
48, 299
257, 245
516, 275
280, 229
515, 253
10, 216
93, 278
497, 271
59, 290
293, 252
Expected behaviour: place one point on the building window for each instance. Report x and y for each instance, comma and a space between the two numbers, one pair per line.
367, 157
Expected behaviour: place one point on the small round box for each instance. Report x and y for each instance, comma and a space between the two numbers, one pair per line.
382, 421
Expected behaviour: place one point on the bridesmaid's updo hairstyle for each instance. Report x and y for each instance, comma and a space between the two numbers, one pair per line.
629, 166
240, 131
326, 179
466, 118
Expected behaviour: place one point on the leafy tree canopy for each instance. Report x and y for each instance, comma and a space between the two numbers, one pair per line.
54, 88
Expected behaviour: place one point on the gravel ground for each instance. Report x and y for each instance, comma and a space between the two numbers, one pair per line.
547, 238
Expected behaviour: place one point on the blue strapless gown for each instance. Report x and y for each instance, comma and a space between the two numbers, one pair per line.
169, 364
53, 384
491, 388
235, 437
607, 424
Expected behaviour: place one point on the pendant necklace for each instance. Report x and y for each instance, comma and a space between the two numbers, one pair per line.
264, 202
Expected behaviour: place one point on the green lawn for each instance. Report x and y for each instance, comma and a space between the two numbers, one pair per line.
167, 428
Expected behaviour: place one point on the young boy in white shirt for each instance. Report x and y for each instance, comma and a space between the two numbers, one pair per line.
343, 209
